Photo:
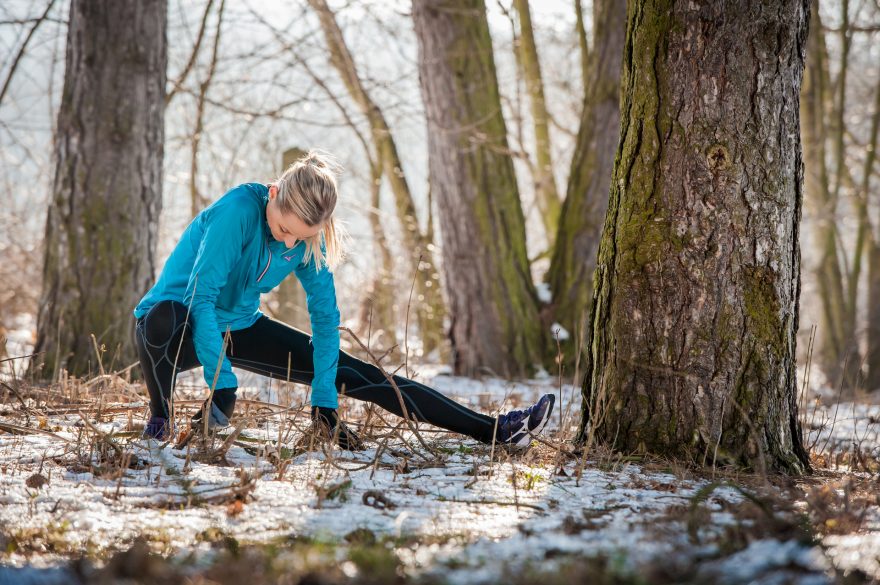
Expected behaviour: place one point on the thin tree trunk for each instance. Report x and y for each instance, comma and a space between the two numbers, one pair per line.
377, 322
197, 201
546, 194
101, 227
695, 311
838, 354
581, 32
429, 305
872, 380
574, 257
493, 302
872, 251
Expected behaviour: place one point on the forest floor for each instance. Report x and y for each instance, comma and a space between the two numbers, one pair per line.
84, 500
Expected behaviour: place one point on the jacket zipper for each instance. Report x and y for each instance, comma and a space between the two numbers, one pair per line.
266, 269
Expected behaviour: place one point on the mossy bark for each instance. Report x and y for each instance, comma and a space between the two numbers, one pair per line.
101, 227
492, 300
546, 194
429, 307
695, 308
574, 257
376, 322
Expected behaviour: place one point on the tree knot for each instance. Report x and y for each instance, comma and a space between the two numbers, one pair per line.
718, 158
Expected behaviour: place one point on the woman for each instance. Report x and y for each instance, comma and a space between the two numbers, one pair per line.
204, 310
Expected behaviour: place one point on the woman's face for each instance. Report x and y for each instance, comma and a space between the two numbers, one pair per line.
286, 227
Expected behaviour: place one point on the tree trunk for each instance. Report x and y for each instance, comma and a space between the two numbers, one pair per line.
695, 311
546, 194
492, 300
581, 32
872, 380
574, 257
836, 332
197, 200
429, 306
101, 228
872, 251
376, 323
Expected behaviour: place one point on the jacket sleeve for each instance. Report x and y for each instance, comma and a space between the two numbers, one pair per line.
219, 250
324, 316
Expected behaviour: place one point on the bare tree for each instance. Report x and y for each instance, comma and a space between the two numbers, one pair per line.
546, 194
419, 254
574, 257
696, 303
101, 227
833, 189
492, 300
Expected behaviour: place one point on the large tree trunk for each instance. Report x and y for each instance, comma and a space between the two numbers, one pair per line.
429, 308
101, 228
696, 303
546, 194
574, 256
492, 300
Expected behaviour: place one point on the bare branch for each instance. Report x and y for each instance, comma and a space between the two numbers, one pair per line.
23, 48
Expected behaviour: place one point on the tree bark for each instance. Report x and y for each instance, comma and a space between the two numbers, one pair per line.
101, 227
574, 257
695, 311
581, 32
871, 249
546, 194
376, 323
492, 300
429, 305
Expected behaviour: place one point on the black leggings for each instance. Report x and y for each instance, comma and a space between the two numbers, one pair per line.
273, 349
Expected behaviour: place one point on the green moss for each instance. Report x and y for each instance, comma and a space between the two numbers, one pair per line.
762, 309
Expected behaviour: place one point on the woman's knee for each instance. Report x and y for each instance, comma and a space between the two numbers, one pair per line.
163, 321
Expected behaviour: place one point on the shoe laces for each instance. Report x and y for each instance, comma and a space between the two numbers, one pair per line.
513, 417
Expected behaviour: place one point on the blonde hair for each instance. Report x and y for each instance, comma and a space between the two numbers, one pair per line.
308, 189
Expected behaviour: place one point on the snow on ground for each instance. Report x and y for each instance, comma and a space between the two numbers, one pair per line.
475, 516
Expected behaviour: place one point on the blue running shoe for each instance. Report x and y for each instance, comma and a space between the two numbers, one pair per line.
517, 427
158, 428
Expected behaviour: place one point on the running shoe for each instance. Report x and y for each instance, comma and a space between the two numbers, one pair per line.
158, 428
518, 427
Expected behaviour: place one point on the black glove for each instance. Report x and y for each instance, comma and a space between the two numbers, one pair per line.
327, 419
222, 406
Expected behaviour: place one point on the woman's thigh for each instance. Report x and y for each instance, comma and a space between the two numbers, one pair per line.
273, 348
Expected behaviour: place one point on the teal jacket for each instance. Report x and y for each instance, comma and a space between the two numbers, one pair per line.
224, 261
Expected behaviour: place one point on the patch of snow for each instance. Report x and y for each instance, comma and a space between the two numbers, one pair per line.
559, 332
544, 293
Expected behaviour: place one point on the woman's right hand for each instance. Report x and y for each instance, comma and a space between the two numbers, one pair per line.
337, 430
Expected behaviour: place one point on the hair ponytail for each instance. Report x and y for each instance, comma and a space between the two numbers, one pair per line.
308, 189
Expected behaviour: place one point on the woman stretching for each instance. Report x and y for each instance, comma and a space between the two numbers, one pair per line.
207, 298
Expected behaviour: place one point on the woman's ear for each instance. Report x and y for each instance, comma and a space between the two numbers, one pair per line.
273, 191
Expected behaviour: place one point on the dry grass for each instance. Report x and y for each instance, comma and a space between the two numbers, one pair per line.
832, 501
